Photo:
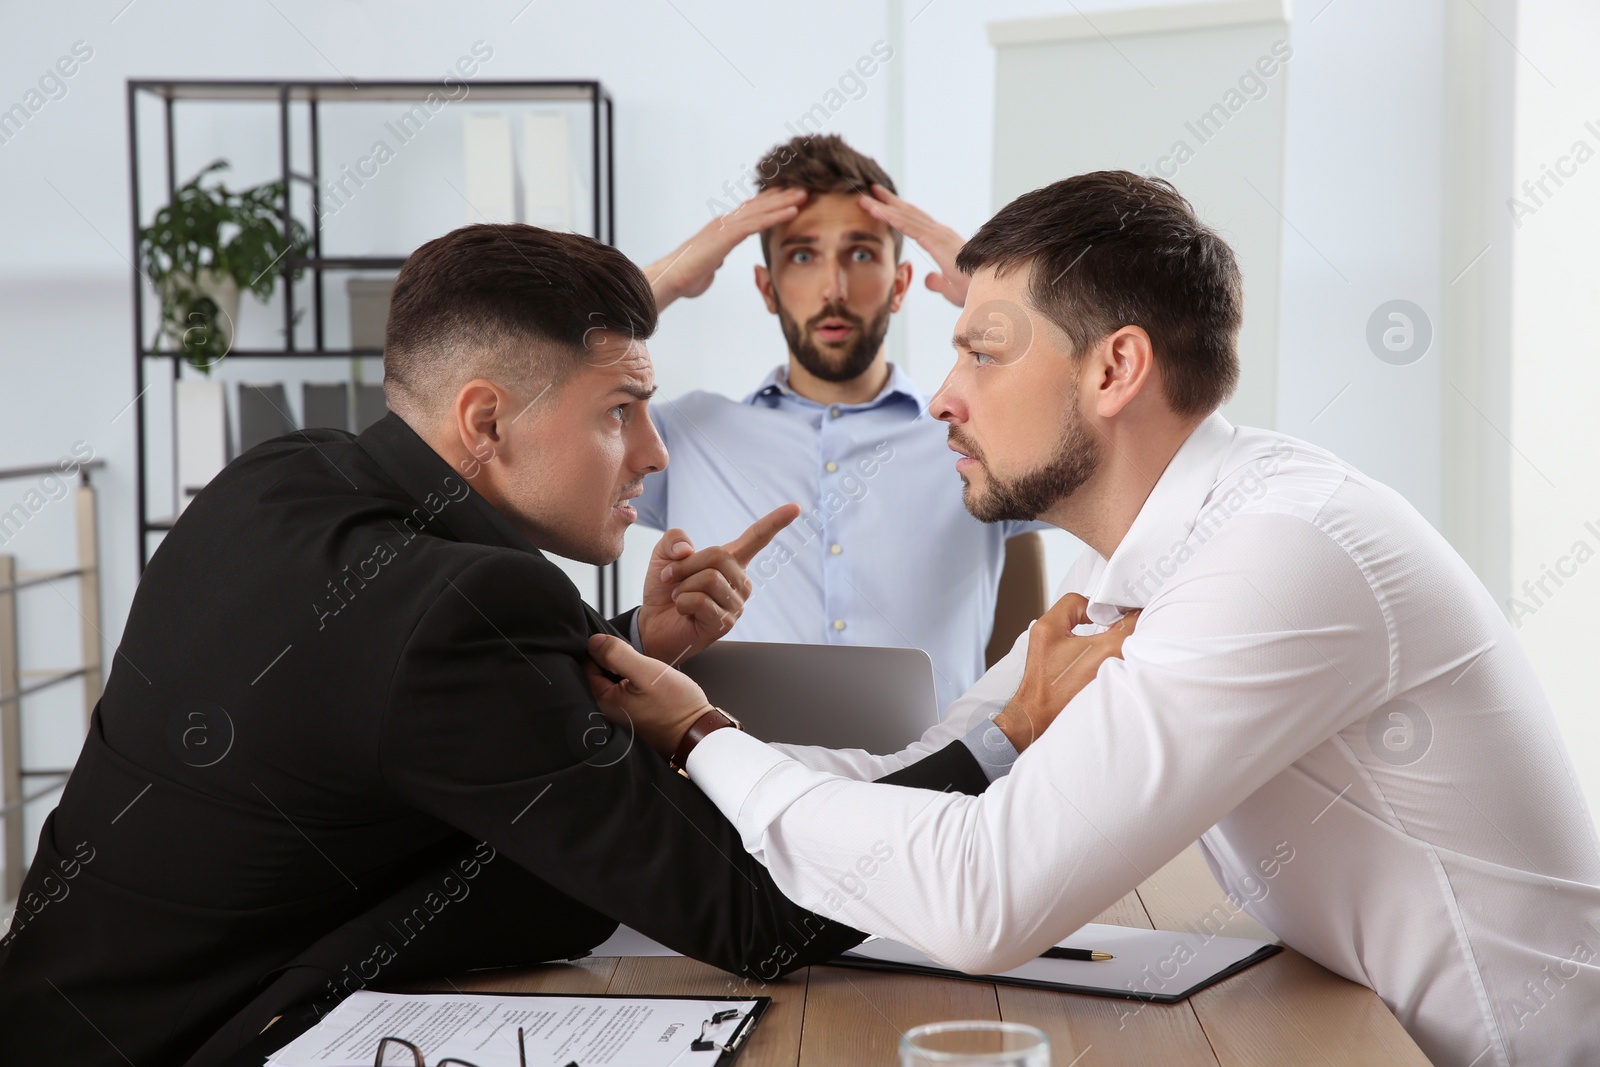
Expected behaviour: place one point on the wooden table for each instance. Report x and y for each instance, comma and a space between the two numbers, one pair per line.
1284, 1011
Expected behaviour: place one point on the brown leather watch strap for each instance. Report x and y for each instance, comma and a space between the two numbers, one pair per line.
713, 719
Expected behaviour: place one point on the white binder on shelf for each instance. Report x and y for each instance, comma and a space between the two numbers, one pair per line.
202, 428
491, 188
547, 170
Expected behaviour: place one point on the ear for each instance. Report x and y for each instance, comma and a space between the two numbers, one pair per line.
764, 283
1120, 368
902, 284
482, 413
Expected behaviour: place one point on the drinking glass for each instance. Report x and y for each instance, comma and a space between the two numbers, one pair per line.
974, 1043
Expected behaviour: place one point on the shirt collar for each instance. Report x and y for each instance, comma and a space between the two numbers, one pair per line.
899, 386
431, 483
1132, 575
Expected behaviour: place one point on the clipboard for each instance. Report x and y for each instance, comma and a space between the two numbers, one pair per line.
735, 1044
1156, 966
731, 1047
727, 1045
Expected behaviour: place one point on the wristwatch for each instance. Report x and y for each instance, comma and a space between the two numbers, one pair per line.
713, 718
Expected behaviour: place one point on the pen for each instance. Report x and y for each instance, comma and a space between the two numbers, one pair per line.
1083, 955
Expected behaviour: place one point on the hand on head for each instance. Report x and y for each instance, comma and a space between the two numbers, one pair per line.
689, 269
938, 240
1059, 666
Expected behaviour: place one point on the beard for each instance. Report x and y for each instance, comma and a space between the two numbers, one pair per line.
835, 366
1033, 493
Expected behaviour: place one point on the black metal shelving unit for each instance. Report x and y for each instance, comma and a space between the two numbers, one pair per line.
313, 95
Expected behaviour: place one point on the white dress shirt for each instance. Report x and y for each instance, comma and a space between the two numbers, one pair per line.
1321, 691
882, 510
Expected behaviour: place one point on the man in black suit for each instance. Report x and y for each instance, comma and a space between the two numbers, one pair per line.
349, 736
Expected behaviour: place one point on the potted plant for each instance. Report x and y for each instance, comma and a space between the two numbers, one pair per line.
206, 247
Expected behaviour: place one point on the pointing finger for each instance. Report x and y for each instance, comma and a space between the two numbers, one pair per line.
747, 545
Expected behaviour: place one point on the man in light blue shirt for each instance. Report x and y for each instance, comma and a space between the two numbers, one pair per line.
884, 552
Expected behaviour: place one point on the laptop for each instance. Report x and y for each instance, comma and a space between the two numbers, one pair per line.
836, 696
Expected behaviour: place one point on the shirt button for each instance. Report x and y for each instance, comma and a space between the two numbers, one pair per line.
835, 412
831, 467
835, 549
838, 624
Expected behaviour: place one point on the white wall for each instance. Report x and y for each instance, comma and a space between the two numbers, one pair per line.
1555, 366
1361, 201
1156, 79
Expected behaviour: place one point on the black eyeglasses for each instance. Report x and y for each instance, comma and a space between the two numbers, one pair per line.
398, 1052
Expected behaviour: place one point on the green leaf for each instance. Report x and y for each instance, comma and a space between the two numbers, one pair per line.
236, 234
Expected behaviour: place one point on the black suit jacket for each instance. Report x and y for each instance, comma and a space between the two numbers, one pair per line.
348, 687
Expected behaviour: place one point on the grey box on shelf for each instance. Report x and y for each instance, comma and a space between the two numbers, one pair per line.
370, 405
326, 404
263, 413
369, 310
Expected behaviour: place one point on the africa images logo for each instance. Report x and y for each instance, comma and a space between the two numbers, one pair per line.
1399, 733
200, 733
1399, 332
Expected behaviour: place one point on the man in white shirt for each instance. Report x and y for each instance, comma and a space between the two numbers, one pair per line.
1315, 674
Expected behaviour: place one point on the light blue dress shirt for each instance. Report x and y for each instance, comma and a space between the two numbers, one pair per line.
884, 552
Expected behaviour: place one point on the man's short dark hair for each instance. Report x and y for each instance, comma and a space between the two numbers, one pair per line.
507, 302
821, 165
1113, 249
